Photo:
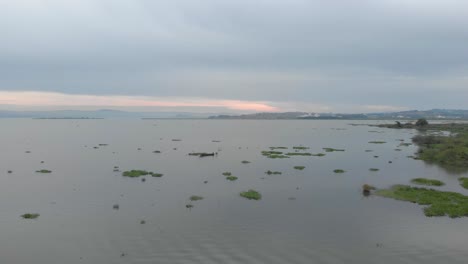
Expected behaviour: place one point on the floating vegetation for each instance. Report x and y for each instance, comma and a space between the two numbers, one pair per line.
245, 162
227, 173
332, 149
376, 156
273, 148
377, 142
277, 156
156, 151
43, 171
202, 154
268, 153
299, 167
369, 150
231, 178
299, 154
366, 189
175, 139
318, 155
196, 198
439, 203
30, 216
251, 195
405, 144
269, 172
138, 173
463, 182
427, 182
450, 152
189, 206
300, 148
339, 171
397, 149
374, 169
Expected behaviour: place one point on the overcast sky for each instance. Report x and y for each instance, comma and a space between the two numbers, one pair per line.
239, 55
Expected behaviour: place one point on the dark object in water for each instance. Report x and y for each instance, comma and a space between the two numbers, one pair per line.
203, 154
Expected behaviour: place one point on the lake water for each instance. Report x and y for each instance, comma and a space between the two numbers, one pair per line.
308, 216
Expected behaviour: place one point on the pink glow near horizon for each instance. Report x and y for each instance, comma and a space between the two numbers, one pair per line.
31, 98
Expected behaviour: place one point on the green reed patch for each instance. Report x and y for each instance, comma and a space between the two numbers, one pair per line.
332, 149
339, 171
30, 216
377, 142
438, 203
138, 173
299, 167
251, 195
427, 182
231, 178
196, 198
44, 171
374, 169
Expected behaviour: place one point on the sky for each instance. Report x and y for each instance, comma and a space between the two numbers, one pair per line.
234, 56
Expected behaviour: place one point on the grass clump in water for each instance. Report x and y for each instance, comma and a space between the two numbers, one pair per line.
269, 172
463, 182
300, 148
339, 171
374, 169
438, 203
273, 148
44, 171
30, 216
196, 198
274, 154
299, 167
227, 173
332, 149
245, 162
231, 178
251, 195
377, 142
299, 154
427, 182
138, 173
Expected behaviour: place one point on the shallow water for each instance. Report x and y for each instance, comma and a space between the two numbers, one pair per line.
308, 216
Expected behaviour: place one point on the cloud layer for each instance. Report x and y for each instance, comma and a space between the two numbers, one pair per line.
410, 53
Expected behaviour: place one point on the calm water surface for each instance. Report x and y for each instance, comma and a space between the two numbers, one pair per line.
309, 216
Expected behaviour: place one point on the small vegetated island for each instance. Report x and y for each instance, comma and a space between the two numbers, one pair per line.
448, 150
251, 195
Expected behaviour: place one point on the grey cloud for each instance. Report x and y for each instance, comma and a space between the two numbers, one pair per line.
364, 52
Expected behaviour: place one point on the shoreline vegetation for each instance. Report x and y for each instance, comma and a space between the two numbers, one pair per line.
449, 150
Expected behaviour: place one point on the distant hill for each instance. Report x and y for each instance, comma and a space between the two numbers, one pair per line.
412, 114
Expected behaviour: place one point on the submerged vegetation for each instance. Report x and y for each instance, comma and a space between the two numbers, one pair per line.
299, 167
332, 149
196, 198
44, 171
269, 172
30, 216
231, 178
439, 203
251, 195
138, 173
427, 182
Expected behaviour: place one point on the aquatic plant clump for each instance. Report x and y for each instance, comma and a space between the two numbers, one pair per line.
231, 178
299, 154
439, 203
245, 162
269, 172
44, 171
300, 148
463, 182
251, 195
339, 171
332, 149
273, 148
377, 142
227, 173
299, 167
30, 216
427, 182
374, 169
138, 173
196, 198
